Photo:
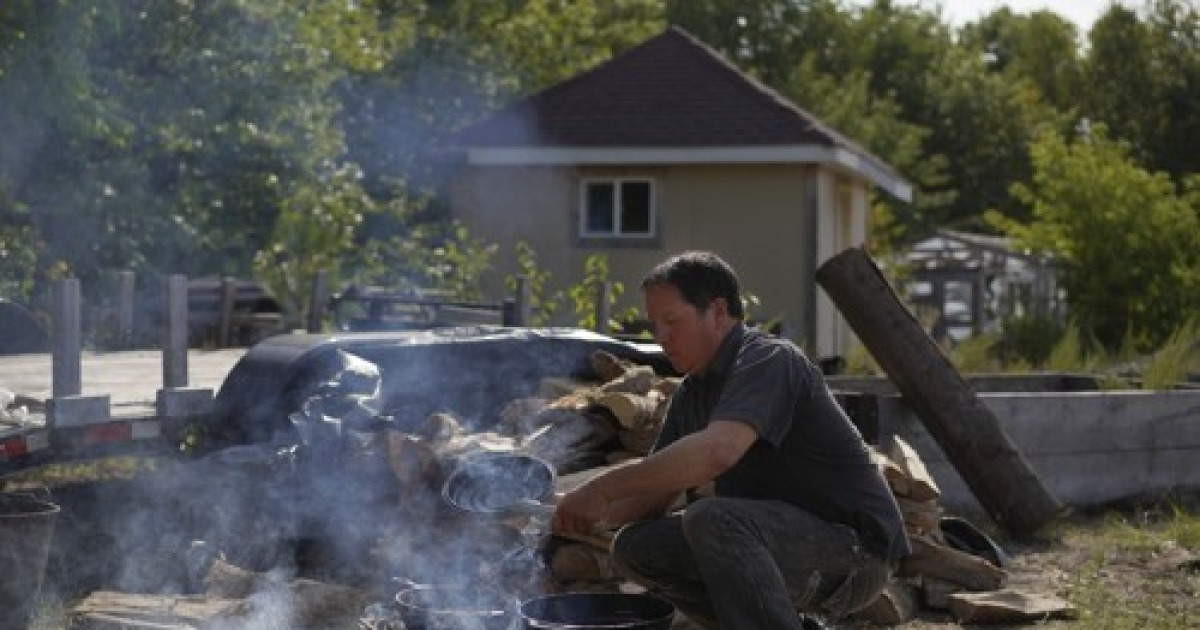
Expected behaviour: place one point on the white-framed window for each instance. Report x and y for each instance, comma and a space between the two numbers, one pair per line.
616, 208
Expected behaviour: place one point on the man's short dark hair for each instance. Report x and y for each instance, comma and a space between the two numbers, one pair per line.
700, 277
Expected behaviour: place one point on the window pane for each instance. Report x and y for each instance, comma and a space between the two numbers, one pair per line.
635, 208
598, 216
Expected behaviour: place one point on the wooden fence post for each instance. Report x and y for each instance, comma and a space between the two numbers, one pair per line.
124, 307
318, 300
967, 431
603, 311
225, 302
522, 306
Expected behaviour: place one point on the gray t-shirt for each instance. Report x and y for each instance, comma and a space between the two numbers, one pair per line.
808, 453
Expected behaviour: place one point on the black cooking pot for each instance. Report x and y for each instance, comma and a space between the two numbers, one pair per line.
579, 611
498, 483
435, 607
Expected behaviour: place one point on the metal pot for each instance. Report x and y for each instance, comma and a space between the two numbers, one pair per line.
580, 611
498, 484
437, 607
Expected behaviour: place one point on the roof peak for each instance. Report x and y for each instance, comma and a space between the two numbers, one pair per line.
672, 90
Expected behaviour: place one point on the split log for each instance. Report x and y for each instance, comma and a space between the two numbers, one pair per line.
920, 517
608, 366
897, 604
107, 610
920, 486
633, 411
553, 387
636, 380
931, 559
638, 442
967, 431
893, 474
580, 562
413, 462
306, 602
935, 592
571, 440
1007, 606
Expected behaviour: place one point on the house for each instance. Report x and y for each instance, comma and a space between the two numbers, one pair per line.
664, 148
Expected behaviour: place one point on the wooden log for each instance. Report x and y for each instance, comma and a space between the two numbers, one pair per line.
108, 610
608, 366
580, 562
921, 486
971, 436
920, 517
897, 604
936, 592
895, 476
305, 602
633, 411
1007, 607
638, 379
553, 387
931, 559
638, 441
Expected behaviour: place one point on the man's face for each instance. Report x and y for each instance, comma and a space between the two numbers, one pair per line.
689, 336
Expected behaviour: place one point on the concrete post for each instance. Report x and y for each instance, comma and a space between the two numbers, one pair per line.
69, 407
175, 337
68, 340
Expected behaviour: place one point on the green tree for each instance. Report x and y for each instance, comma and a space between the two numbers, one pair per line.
1143, 81
468, 59
847, 104
1130, 237
1041, 48
180, 137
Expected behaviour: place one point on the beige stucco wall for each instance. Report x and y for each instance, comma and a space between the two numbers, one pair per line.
752, 215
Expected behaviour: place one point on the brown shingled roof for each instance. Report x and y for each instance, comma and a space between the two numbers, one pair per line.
669, 91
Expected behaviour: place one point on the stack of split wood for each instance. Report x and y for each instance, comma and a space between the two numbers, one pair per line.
947, 572
936, 570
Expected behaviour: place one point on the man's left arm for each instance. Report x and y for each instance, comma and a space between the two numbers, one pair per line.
620, 495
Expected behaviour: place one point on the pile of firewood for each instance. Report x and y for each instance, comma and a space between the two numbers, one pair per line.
583, 428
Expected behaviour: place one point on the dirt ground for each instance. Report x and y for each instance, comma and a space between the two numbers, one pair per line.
1120, 567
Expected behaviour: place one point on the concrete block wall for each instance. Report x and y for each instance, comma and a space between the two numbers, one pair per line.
1088, 447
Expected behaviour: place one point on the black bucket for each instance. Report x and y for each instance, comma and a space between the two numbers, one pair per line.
26, 526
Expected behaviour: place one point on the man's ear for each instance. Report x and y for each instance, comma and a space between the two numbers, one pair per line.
720, 308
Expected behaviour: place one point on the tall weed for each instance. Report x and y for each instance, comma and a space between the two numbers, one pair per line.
1170, 365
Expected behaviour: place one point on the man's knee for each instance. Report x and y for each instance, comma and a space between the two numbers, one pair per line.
711, 520
629, 549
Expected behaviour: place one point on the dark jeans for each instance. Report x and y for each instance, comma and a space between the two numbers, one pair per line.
744, 564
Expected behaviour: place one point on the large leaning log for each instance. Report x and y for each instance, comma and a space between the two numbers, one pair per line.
967, 431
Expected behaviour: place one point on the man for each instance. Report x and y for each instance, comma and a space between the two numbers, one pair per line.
800, 518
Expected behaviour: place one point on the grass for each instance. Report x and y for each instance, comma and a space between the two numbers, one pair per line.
1165, 368
1108, 590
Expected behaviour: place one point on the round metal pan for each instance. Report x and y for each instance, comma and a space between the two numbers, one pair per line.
583, 611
